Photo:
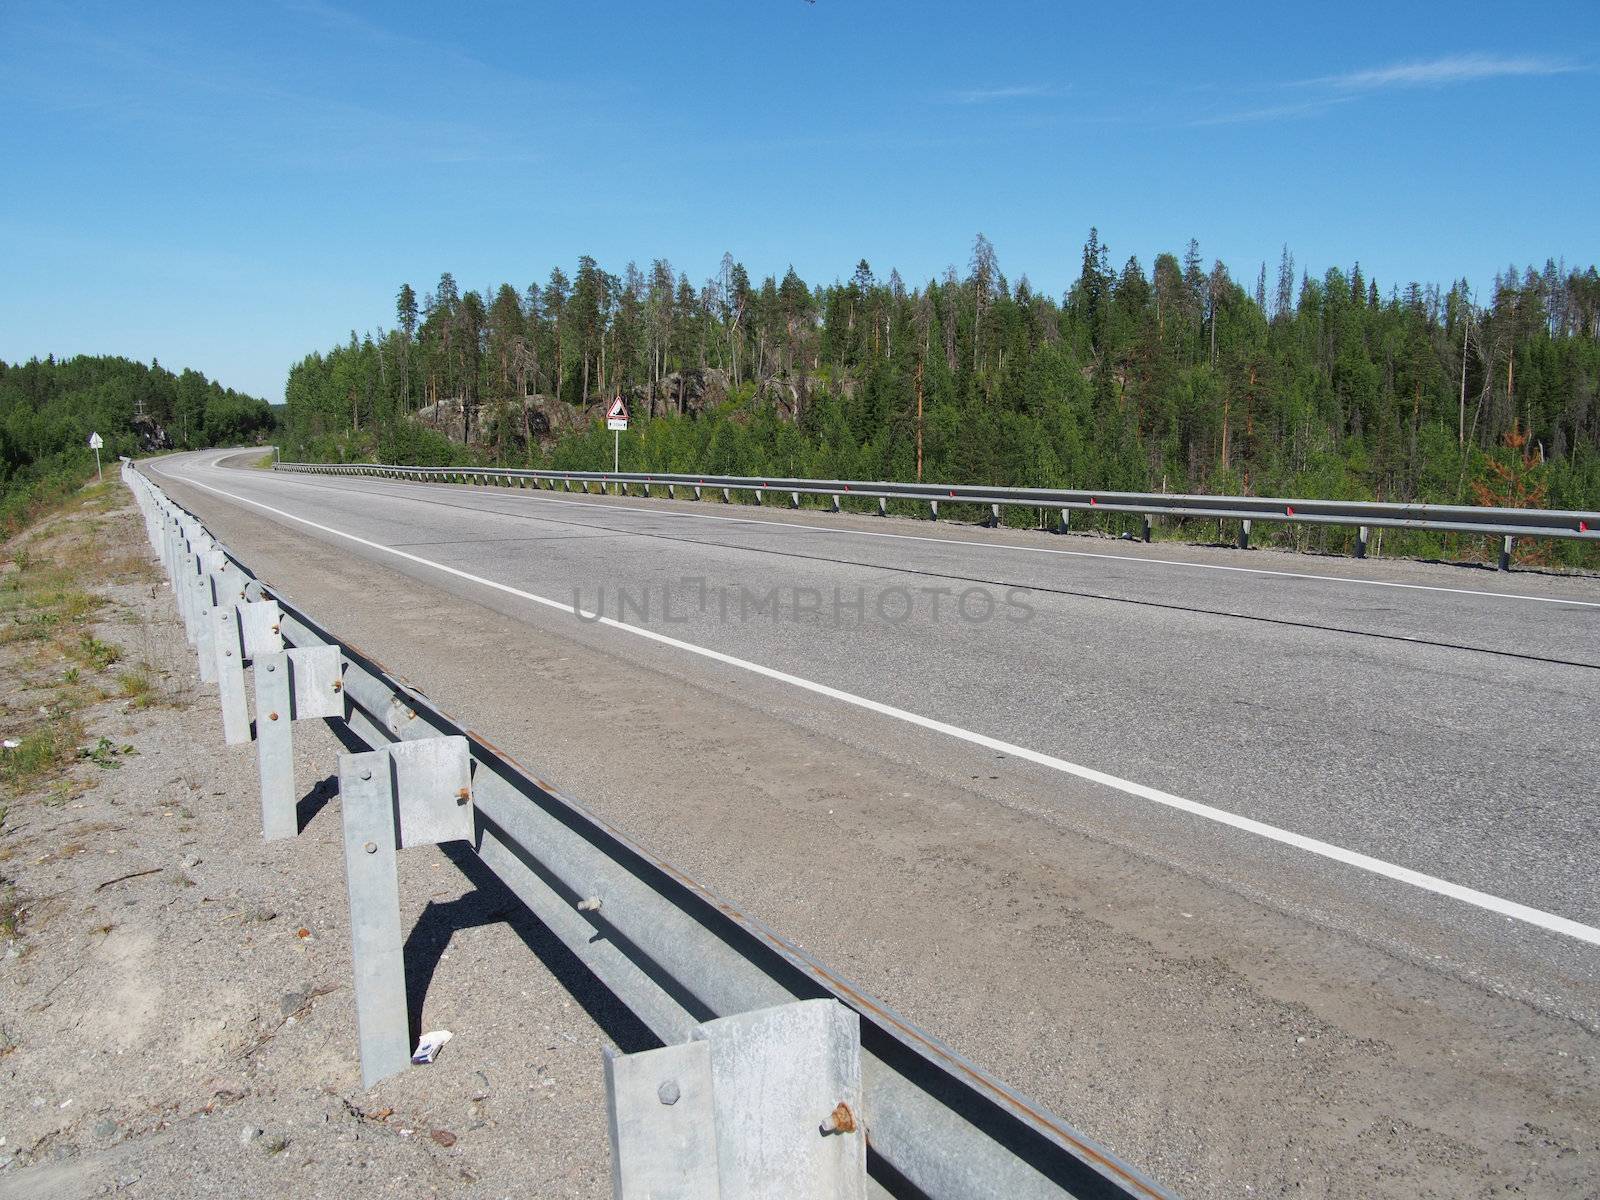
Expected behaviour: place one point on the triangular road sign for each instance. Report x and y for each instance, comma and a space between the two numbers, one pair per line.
618, 410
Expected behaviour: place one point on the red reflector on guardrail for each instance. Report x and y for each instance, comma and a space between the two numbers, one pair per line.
1583, 527
1092, 500
1289, 509
952, 495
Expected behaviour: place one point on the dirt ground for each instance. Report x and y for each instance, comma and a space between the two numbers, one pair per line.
176, 1015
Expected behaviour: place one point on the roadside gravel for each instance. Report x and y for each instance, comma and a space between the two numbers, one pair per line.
176, 1016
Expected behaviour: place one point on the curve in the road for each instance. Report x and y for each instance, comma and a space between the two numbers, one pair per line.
1195, 609
1510, 909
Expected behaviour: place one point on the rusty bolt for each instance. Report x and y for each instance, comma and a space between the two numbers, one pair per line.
272, 716
274, 629
463, 796
840, 1120
338, 685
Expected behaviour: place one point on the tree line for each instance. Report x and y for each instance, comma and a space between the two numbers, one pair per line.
1180, 377
49, 408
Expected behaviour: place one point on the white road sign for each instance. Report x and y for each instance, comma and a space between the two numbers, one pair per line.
617, 415
96, 441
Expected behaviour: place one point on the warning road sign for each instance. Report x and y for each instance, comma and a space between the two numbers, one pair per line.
96, 441
617, 415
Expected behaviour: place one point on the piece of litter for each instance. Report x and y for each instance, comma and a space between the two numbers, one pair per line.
11, 743
430, 1045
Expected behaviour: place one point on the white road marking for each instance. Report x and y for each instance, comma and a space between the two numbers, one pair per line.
1443, 887
1001, 546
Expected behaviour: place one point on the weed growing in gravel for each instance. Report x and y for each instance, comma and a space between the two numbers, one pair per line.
10, 913
104, 754
38, 752
98, 654
138, 685
60, 792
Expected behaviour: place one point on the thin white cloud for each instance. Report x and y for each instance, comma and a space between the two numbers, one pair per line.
1026, 91
1276, 112
1440, 72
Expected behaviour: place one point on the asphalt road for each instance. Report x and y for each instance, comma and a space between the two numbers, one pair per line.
1361, 794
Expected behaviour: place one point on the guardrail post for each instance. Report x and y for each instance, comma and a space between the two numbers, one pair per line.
229, 650
1506, 544
697, 492
835, 499
1146, 528
662, 1123
994, 516
758, 496
204, 599
1361, 542
274, 747
774, 1096
883, 506
933, 506
371, 843
794, 499
726, 498
408, 794
672, 491
1244, 534
1065, 514
291, 685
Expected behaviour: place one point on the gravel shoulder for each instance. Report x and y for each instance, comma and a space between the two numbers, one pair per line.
176, 1016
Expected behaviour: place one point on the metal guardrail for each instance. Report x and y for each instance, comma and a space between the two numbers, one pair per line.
673, 952
1508, 524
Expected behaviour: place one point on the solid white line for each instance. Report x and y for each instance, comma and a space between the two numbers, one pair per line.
1495, 904
945, 541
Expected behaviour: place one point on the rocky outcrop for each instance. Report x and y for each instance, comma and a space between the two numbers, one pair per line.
692, 392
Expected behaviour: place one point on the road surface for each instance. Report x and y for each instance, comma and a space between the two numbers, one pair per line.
1272, 872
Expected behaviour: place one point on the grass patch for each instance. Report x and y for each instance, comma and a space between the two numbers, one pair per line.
10, 913
97, 654
137, 685
40, 752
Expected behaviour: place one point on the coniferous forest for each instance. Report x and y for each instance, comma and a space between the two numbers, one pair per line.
1176, 377
49, 408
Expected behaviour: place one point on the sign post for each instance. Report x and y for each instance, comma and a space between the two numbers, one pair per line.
616, 421
95, 442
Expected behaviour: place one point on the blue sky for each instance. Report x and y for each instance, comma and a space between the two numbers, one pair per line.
231, 186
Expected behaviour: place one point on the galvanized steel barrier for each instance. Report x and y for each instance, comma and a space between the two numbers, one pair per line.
1506, 524
674, 953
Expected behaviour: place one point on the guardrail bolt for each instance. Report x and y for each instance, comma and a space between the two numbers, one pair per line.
463, 796
840, 1120
272, 716
366, 772
668, 1092
371, 847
